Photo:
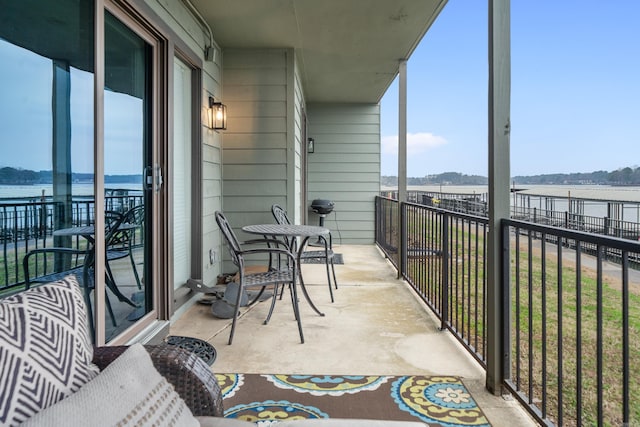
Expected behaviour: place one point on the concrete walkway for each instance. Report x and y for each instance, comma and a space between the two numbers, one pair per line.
376, 326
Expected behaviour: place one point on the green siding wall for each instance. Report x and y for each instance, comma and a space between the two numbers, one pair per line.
189, 31
345, 167
261, 152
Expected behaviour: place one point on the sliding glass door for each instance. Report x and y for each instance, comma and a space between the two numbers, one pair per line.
46, 139
51, 147
130, 174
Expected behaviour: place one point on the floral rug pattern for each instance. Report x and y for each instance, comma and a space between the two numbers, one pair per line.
270, 399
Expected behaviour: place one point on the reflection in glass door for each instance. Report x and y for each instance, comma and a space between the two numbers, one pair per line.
128, 162
46, 142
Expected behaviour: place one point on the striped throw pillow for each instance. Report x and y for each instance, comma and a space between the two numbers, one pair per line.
45, 350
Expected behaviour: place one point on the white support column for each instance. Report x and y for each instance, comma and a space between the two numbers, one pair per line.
499, 171
402, 131
402, 153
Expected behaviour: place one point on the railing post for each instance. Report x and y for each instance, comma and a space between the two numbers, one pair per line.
444, 238
506, 302
402, 244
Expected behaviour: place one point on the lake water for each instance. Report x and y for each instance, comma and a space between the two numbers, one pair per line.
36, 191
595, 202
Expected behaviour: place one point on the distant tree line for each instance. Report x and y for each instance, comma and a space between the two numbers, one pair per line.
13, 176
623, 176
446, 178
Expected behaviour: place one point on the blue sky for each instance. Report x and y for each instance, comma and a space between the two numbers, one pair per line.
26, 92
575, 95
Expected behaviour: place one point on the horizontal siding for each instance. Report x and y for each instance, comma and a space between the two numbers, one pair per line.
258, 125
248, 141
248, 188
255, 151
266, 172
257, 156
372, 167
351, 158
252, 93
345, 167
189, 31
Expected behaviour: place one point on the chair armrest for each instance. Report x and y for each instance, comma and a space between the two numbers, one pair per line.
267, 241
190, 376
270, 251
47, 250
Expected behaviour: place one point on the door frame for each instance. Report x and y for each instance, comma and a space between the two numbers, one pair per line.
177, 298
131, 18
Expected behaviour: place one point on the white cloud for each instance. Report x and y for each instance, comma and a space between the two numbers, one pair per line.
416, 143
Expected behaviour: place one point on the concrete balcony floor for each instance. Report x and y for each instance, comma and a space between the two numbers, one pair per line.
377, 326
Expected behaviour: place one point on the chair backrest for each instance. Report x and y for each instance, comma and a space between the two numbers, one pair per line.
135, 215
232, 241
116, 238
281, 218
280, 214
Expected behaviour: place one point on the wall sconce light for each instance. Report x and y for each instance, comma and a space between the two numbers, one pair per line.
216, 115
310, 145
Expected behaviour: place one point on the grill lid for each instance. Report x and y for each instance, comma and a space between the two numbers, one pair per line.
322, 206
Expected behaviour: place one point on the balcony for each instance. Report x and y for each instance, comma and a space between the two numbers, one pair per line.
570, 316
377, 325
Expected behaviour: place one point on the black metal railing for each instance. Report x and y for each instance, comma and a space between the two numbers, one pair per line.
26, 225
574, 306
573, 221
444, 261
387, 228
575, 325
477, 204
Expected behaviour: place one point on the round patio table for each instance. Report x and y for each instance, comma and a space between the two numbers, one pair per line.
292, 232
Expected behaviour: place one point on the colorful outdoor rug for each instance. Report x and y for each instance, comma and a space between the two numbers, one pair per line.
267, 399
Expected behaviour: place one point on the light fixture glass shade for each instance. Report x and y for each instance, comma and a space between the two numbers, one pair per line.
311, 145
217, 115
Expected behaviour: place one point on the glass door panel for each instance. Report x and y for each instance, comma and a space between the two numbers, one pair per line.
46, 141
181, 173
128, 160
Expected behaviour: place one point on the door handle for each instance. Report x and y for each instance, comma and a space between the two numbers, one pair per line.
153, 178
158, 176
148, 178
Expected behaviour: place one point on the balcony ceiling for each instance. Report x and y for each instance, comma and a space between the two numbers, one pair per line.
348, 50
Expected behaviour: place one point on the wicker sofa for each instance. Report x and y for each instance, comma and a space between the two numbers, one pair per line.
53, 376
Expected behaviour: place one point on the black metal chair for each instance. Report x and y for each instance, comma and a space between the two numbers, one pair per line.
284, 273
326, 254
120, 240
76, 262
40, 267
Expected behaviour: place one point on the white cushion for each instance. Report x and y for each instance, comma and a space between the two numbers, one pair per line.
45, 350
343, 422
224, 422
129, 391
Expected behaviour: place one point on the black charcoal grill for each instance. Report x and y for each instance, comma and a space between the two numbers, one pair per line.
322, 207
